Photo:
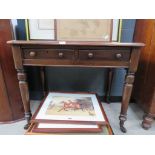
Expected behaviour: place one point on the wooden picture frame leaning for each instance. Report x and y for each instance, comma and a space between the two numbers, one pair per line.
93, 114
66, 128
107, 130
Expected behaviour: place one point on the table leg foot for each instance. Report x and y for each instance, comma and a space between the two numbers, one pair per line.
27, 117
122, 128
26, 126
122, 119
108, 100
147, 121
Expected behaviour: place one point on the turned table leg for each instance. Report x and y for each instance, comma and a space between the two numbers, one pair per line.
25, 95
128, 85
147, 121
125, 100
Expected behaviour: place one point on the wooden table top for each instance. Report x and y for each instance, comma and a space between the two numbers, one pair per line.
78, 43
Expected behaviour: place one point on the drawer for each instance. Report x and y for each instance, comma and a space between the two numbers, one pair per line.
48, 54
111, 55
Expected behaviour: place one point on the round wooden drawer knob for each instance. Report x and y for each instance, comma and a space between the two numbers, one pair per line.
61, 55
90, 55
118, 55
32, 54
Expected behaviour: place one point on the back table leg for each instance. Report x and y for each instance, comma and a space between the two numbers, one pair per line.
109, 84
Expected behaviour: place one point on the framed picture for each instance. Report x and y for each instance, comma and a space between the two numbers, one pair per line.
41, 29
80, 108
72, 29
66, 128
84, 29
106, 130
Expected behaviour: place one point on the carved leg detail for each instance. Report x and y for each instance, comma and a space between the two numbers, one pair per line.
28, 118
125, 100
25, 95
109, 84
147, 121
122, 119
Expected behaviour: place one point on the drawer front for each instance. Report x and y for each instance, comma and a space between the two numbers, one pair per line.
109, 55
48, 54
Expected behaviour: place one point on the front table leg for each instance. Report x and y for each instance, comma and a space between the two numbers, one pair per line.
125, 99
25, 95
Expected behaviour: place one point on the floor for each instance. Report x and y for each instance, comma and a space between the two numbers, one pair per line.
133, 124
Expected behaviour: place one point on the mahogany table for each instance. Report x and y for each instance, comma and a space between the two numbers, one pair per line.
76, 54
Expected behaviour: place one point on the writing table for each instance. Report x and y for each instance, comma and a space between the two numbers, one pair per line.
76, 54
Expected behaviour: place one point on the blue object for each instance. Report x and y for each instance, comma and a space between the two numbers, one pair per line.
128, 27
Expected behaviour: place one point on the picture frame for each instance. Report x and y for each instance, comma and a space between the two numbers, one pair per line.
66, 128
46, 29
51, 110
40, 29
84, 29
106, 130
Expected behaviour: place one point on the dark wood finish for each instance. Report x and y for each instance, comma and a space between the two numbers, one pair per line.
109, 84
80, 63
121, 55
128, 85
109, 54
49, 54
125, 100
42, 73
5, 111
11, 107
118, 55
23, 85
147, 120
144, 88
74, 43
